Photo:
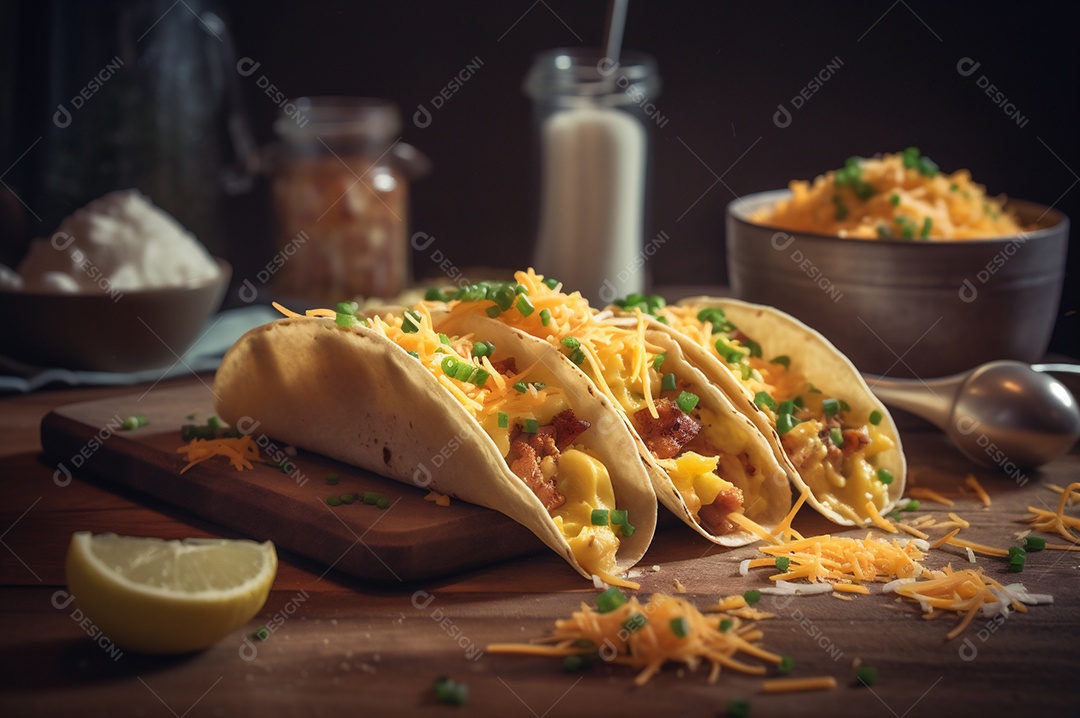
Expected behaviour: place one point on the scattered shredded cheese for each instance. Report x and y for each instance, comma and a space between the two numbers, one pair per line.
654, 642
919, 492
1056, 522
792, 685
437, 498
240, 451
975, 486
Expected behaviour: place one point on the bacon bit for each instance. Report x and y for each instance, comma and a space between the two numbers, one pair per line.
854, 440
506, 367
526, 466
714, 516
669, 432
568, 428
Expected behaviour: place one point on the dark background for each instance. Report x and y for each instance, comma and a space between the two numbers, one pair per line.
725, 68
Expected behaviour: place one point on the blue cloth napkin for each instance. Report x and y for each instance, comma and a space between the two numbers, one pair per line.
219, 333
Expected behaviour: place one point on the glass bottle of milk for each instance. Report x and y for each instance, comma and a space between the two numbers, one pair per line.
592, 116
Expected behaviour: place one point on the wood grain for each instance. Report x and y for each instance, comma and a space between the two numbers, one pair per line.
350, 646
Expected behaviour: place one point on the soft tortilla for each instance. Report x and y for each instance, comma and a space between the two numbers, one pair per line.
355, 396
821, 362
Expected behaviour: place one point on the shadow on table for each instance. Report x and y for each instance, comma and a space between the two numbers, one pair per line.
82, 661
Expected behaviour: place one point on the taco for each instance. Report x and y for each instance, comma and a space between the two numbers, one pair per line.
807, 398
709, 463
515, 428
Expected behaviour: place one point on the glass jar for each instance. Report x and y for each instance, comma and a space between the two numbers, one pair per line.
341, 202
592, 117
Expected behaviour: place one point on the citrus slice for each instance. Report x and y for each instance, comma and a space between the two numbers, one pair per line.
149, 595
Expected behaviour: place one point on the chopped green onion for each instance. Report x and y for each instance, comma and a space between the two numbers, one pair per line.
545, 317
782, 563
551, 282
531, 426
410, 323
413, 354
451, 692
798, 402
449, 365
726, 624
786, 666
463, 371
504, 420
261, 633
830, 407
480, 377
348, 498
333, 501
493, 312
599, 517
752, 596
344, 320
844, 406
443, 339
139, 421
521, 386
745, 371
894, 200
783, 360
785, 423
687, 401
372, 497
575, 663
539, 385
762, 399
628, 529
876, 417
884, 476
618, 516
1034, 543
483, 349
609, 600
571, 342
383, 503
635, 623
658, 361
503, 297
730, 354
754, 347
926, 225
837, 438
679, 626
841, 208
786, 407
866, 675
912, 505
332, 479
434, 294
738, 708
577, 356
520, 289
525, 306
668, 382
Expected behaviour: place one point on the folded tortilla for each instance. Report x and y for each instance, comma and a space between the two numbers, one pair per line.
706, 460
356, 394
761, 358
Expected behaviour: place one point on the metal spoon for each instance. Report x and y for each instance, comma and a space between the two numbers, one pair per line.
1003, 414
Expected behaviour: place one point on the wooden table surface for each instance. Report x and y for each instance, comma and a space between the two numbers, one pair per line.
340, 646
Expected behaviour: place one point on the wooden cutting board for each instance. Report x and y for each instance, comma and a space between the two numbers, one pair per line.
411, 540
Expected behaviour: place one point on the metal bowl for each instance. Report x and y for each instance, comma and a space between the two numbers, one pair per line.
121, 331
908, 308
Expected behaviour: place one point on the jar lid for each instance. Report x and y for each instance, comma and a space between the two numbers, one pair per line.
337, 117
585, 72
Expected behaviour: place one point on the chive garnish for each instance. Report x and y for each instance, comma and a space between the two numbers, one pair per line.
783, 360
866, 676
577, 356
571, 342
687, 401
885, 476
762, 399
786, 666
1034, 543
504, 420
752, 596
830, 407
545, 317
726, 624
658, 361
599, 517
609, 600
618, 516
525, 306
679, 626
876, 417
782, 563
531, 426
635, 622
836, 437
785, 423
668, 382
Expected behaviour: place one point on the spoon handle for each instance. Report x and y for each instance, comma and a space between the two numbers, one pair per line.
932, 400
1057, 368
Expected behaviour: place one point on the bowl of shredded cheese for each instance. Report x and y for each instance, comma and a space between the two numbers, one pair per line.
909, 270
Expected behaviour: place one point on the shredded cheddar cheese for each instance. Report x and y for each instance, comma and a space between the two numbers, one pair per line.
438, 499
1056, 522
669, 629
975, 486
792, 685
240, 451
918, 492
966, 592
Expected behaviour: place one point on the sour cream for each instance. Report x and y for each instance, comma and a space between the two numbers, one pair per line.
119, 242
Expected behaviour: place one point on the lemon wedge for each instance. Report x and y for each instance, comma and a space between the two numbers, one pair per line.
150, 595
